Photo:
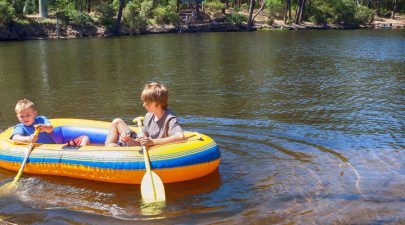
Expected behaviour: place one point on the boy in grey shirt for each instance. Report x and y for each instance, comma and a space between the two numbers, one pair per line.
161, 126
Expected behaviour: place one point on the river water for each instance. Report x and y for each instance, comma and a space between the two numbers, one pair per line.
310, 124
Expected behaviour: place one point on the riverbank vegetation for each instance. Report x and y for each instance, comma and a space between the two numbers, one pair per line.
115, 17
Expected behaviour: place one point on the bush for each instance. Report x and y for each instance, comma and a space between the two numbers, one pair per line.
274, 10
30, 7
339, 12
159, 14
63, 16
18, 6
132, 17
172, 16
106, 15
7, 14
146, 8
165, 15
320, 12
344, 11
364, 15
78, 18
214, 5
71, 16
236, 18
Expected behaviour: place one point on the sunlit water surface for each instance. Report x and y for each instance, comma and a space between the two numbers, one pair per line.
310, 124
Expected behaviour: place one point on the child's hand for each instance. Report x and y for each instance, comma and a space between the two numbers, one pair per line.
124, 137
39, 127
146, 141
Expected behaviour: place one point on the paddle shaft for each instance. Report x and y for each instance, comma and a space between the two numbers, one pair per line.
27, 154
145, 152
150, 179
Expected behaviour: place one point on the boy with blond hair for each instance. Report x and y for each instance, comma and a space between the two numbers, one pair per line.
29, 121
161, 126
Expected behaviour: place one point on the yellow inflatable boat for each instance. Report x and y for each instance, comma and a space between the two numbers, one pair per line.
196, 157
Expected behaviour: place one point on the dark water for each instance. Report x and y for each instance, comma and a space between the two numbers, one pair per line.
310, 124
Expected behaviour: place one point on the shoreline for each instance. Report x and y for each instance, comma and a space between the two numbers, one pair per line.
37, 30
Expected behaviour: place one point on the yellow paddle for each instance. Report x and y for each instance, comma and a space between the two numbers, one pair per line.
27, 154
152, 188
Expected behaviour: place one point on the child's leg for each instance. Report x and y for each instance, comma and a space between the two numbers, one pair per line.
85, 141
117, 127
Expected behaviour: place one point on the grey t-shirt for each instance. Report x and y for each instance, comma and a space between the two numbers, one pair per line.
166, 126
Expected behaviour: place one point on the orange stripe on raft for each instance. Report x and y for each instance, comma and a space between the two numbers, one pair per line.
115, 176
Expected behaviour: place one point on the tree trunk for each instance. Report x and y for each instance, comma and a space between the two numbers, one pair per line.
88, 8
394, 8
262, 5
177, 5
43, 8
287, 13
300, 11
250, 20
118, 22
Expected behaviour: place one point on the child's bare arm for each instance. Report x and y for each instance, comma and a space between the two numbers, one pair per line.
24, 139
179, 136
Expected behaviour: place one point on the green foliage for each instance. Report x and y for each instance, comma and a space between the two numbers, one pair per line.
214, 5
384, 13
339, 12
146, 8
172, 5
18, 6
275, 9
165, 15
7, 13
236, 18
159, 14
132, 17
30, 7
70, 16
60, 5
78, 18
344, 11
364, 15
106, 15
244, 6
134, 5
320, 12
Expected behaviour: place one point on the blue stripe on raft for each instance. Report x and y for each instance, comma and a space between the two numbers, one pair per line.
62, 134
208, 155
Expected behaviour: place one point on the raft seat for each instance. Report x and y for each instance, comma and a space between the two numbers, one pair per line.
62, 134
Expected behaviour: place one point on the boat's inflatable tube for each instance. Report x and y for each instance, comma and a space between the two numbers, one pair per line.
196, 157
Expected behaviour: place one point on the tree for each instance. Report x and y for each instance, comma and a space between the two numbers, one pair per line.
287, 12
250, 19
119, 16
43, 8
300, 11
394, 8
262, 5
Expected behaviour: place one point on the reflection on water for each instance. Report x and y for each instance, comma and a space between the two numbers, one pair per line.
309, 124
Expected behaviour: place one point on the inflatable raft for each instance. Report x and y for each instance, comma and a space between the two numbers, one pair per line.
195, 157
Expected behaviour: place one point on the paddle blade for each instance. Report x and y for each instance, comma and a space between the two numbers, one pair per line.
152, 188
7, 187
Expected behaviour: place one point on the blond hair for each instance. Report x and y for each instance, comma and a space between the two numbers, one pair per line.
155, 92
24, 104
